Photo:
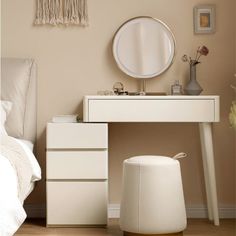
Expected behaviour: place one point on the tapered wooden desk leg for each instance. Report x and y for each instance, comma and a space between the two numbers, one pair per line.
209, 170
208, 195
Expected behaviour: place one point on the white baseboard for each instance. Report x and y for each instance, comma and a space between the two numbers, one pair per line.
225, 212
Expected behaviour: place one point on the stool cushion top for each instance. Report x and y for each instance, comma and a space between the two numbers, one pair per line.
151, 160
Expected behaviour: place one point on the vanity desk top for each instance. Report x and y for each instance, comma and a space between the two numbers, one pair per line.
151, 108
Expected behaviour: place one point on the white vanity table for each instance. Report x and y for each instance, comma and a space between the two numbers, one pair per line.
199, 109
143, 48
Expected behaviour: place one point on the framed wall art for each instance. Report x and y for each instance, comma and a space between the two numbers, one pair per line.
204, 19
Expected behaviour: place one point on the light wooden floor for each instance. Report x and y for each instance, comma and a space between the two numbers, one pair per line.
195, 227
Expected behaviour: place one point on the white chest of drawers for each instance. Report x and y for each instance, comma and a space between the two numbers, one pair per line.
77, 174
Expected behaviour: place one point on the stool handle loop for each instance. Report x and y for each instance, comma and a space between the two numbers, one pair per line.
179, 155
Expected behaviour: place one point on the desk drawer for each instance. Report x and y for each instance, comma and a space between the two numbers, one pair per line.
148, 110
76, 203
77, 165
76, 135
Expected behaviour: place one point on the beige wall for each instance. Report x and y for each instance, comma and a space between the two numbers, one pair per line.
73, 62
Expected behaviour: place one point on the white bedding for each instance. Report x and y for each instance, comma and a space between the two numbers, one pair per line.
28, 143
12, 213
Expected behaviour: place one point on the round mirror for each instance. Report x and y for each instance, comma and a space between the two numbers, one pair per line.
143, 47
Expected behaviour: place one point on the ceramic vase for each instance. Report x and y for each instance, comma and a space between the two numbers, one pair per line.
193, 87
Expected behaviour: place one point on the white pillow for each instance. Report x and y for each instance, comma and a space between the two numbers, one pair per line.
5, 109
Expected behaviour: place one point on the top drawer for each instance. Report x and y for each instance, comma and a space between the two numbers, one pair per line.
76, 135
151, 109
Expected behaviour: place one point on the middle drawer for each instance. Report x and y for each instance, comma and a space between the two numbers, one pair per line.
77, 165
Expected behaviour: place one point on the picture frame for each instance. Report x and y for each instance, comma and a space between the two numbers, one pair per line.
204, 17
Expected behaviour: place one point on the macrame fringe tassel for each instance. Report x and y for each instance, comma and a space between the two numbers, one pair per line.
68, 12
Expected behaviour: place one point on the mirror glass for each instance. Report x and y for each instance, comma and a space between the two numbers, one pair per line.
143, 47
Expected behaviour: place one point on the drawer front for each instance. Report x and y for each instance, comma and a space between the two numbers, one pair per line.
76, 203
151, 110
77, 165
76, 135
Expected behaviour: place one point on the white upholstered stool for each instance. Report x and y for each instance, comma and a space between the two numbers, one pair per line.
152, 198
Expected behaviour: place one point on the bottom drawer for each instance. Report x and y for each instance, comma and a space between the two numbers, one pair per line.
77, 203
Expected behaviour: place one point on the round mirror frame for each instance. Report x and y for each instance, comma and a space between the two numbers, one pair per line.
114, 47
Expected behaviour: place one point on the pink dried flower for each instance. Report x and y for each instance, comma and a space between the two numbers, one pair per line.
184, 58
203, 50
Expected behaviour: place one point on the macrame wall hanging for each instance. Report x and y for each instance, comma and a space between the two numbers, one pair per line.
61, 12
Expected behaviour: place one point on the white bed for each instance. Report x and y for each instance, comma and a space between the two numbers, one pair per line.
19, 169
